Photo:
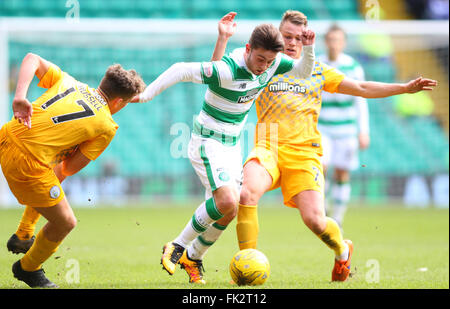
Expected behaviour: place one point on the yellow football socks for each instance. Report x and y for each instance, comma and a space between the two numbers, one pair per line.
39, 252
27, 224
332, 237
247, 226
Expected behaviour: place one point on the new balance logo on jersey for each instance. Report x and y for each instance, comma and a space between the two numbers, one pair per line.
284, 86
242, 86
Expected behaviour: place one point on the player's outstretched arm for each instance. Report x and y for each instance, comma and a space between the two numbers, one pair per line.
369, 89
178, 72
31, 65
226, 27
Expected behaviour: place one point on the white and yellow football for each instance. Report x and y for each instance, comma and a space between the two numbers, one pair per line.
249, 267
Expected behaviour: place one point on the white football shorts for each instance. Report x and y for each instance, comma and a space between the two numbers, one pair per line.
342, 153
216, 164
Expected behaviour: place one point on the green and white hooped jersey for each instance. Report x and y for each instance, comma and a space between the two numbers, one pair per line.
232, 89
343, 115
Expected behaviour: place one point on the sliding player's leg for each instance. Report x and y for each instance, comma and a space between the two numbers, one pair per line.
23, 238
37, 186
303, 189
61, 220
219, 168
310, 205
198, 243
206, 239
207, 213
27, 224
257, 181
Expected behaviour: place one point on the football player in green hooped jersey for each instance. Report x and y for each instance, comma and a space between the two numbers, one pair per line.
343, 123
214, 149
288, 156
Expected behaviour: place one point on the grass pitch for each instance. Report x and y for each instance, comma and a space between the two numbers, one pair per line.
395, 248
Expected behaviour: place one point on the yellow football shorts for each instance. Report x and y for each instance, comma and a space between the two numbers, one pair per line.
293, 170
32, 183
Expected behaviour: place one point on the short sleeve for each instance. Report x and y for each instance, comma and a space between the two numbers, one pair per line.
51, 77
93, 148
333, 77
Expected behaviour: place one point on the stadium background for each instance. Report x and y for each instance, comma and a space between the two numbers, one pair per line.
408, 160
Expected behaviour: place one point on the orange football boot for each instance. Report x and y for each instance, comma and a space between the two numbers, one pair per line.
194, 268
341, 269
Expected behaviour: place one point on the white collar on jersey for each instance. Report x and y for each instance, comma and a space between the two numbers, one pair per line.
238, 56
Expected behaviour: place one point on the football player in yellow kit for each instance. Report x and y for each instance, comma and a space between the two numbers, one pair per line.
54, 137
288, 146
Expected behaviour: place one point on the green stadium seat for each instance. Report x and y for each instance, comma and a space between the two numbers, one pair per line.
93, 6
229, 6
344, 9
253, 9
14, 8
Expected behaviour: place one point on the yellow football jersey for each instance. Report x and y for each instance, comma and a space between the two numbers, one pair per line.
68, 115
288, 108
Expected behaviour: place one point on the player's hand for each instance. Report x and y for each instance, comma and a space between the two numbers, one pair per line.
227, 25
23, 110
364, 141
420, 84
308, 37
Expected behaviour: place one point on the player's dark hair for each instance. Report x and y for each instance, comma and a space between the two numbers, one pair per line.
121, 83
268, 37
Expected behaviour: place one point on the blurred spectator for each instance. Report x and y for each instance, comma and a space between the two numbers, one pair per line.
437, 9
428, 9
417, 8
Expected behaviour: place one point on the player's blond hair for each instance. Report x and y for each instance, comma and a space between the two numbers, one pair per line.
121, 83
268, 37
295, 17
